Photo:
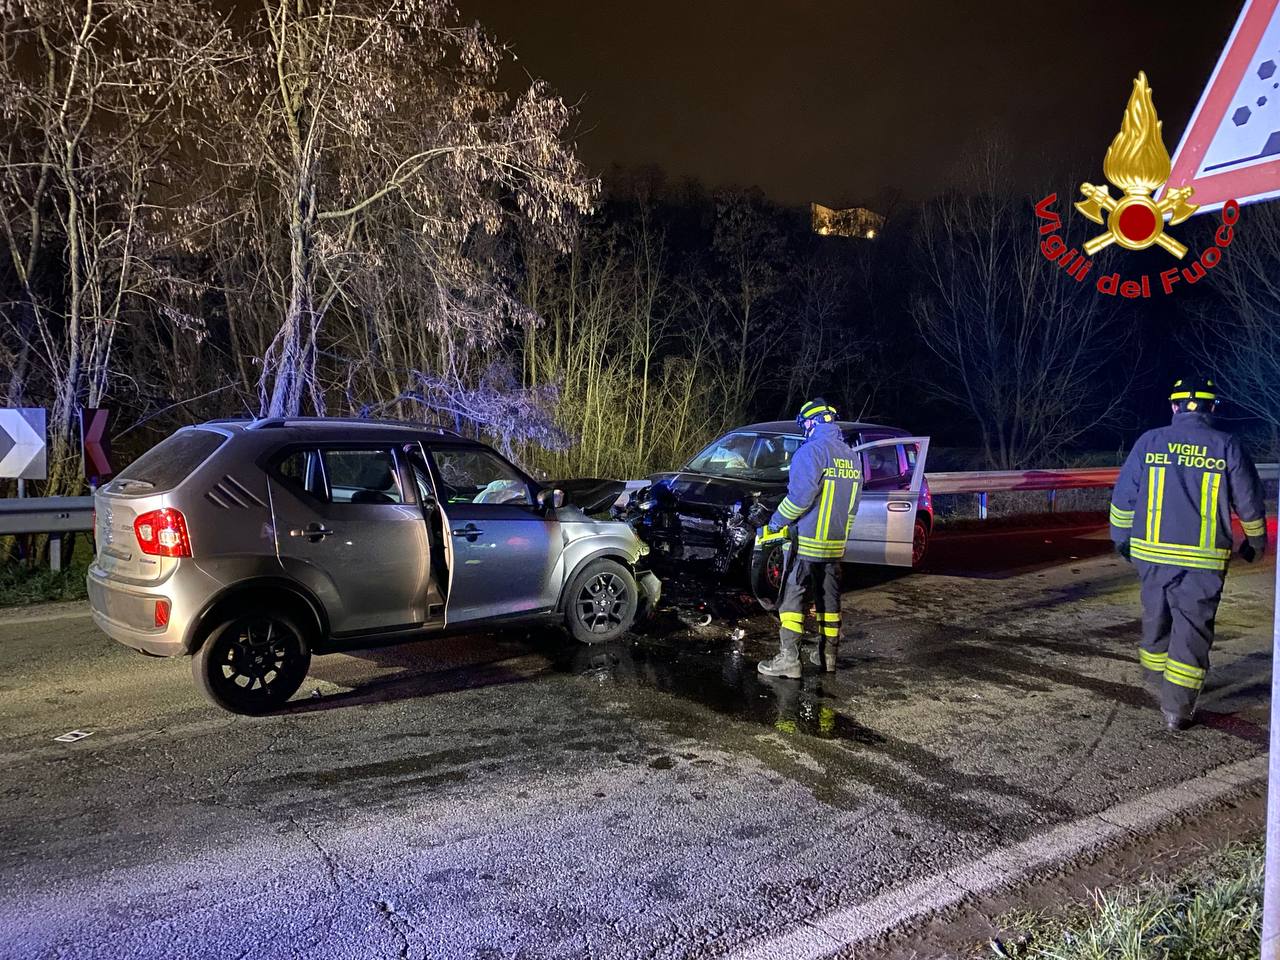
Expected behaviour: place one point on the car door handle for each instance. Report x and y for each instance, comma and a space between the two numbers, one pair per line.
470, 531
314, 532
899, 506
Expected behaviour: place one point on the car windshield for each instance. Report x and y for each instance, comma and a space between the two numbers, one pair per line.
755, 456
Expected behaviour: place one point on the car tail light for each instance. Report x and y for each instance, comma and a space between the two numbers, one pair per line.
163, 533
162, 613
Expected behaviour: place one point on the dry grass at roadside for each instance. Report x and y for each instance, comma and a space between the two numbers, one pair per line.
1211, 911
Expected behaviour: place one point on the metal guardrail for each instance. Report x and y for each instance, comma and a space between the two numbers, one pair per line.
75, 514
985, 482
46, 515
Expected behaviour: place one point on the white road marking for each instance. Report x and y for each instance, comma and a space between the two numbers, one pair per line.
829, 933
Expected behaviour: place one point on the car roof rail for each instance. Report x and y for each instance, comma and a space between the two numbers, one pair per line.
267, 423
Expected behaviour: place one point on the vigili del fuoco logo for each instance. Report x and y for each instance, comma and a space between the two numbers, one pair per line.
1137, 164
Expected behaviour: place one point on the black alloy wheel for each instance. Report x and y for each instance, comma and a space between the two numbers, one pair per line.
253, 663
602, 602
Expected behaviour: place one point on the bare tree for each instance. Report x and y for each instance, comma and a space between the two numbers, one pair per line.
1022, 345
749, 248
91, 93
368, 136
1239, 338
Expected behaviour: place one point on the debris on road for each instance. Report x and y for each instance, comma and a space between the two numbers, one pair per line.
74, 735
698, 616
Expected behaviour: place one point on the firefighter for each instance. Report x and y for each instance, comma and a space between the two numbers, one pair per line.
1171, 517
824, 482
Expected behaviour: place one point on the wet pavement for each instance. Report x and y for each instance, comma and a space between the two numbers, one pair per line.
517, 795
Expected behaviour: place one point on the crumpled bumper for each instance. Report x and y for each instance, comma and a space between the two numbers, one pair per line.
650, 593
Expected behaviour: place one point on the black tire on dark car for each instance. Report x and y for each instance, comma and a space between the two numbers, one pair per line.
601, 602
919, 543
252, 662
766, 574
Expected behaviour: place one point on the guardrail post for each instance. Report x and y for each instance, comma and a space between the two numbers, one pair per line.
1053, 501
982, 506
55, 552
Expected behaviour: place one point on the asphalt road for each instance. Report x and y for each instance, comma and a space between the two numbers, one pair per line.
517, 796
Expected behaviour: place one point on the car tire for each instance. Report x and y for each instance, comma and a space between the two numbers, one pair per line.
919, 543
766, 575
601, 602
252, 662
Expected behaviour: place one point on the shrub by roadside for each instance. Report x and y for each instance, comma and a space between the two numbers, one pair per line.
21, 584
1211, 911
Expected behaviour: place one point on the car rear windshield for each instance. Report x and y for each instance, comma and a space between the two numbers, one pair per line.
171, 461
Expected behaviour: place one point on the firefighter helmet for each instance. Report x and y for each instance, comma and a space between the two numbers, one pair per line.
816, 409
1194, 393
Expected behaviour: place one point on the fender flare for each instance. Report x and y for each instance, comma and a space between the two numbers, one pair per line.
263, 584
604, 553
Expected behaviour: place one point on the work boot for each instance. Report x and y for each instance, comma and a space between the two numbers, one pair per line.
1176, 720
783, 665
824, 657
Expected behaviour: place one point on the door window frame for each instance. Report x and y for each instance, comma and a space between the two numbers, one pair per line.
408, 491
438, 479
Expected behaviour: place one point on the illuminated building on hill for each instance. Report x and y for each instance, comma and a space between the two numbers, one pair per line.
853, 222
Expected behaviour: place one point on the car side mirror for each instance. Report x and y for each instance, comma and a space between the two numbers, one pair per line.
551, 499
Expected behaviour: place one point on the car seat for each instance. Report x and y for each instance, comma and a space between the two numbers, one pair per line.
375, 478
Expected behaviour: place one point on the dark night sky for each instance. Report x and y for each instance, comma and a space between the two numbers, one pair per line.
846, 100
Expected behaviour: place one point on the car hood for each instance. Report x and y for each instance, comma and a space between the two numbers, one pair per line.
699, 489
591, 494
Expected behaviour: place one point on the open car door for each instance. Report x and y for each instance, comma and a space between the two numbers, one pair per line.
883, 530
892, 478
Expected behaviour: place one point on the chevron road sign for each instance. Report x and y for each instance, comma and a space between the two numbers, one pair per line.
96, 443
22, 449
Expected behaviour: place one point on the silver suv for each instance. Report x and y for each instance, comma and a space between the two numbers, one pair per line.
251, 544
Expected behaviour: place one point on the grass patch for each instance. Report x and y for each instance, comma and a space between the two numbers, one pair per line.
1211, 911
21, 584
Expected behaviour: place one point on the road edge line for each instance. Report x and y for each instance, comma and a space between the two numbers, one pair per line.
828, 934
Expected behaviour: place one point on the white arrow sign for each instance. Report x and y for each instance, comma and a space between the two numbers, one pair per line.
22, 444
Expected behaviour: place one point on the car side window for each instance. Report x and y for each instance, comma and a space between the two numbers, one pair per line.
362, 476
301, 470
475, 475
886, 468
909, 454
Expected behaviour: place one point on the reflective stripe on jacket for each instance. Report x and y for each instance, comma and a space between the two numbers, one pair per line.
823, 487
1176, 491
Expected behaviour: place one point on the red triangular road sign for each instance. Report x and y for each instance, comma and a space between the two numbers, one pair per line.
1231, 148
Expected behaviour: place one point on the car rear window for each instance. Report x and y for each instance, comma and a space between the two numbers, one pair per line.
171, 461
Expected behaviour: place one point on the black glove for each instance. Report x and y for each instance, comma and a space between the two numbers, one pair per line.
1253, 548
1122, 548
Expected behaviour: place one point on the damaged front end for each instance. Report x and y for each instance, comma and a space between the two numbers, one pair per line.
593, 504
706, 524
